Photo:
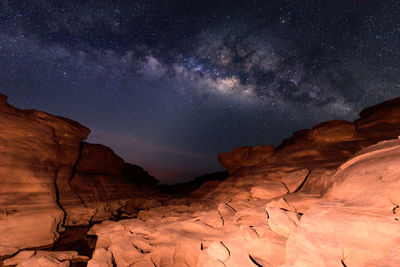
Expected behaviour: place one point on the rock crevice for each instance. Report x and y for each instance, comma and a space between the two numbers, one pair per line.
43, 186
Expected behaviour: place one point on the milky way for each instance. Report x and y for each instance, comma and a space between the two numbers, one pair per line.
169, 84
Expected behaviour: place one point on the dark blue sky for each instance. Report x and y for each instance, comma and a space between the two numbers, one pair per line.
170, 84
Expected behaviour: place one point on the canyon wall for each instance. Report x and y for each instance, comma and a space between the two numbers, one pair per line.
327, 196
50, 178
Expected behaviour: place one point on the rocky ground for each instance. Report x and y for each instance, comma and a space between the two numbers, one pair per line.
327, 196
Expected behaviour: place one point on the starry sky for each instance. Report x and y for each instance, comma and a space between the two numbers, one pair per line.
170, 84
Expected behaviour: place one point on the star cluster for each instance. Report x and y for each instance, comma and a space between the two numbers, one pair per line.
169, 84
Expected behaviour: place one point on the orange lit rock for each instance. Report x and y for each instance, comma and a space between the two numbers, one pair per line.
326, 197
38, 152
50, 178
268, 190
355, 222
332, 131
33, 258
295, 179
245, 157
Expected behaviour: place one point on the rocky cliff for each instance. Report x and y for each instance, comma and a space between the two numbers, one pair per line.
50, 178
327, 196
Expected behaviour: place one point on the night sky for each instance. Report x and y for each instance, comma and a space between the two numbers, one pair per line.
170, 84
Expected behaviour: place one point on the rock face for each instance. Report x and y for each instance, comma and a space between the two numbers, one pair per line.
327, 196
245, 157
38, 152
107, 187
50, 178
357, 222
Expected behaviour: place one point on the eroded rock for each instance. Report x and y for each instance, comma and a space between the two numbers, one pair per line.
50, 178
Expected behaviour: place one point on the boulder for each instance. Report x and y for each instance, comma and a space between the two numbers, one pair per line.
268, 190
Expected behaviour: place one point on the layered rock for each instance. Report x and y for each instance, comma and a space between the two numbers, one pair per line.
319, 150
50, 178
357, 222
30, 258
107, 187
38, 152
245, 157
311, 202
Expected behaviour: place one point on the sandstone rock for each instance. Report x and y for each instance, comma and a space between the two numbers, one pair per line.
50, 178
349, 203
195, 243
44, 258
245, 157
226, 211
138, 175
38, 152
349, 212
43, 261
282, 222
295, 179
218, 251
105, 191
332, 131
268, 190
248, 232
359, 206
281, 203
21, 256
99, 159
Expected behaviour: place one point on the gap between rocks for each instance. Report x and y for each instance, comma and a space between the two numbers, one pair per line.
74, 172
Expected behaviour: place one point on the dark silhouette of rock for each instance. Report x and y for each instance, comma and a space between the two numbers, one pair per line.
138, 175
185, 189
107, 187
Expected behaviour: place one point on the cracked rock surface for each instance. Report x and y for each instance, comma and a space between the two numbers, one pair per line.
327, 196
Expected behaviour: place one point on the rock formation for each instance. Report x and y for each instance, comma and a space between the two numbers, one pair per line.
327, 196
107, 187
50, 178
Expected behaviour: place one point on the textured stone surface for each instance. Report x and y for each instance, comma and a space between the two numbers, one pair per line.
38, 152
34, 258
333, 131
102, 185
50, 178
325, 197
268, 190
178, 236
361, 206
245, 157
295, 179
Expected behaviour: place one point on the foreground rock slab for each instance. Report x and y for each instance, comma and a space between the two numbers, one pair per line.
33, 258
354, 223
